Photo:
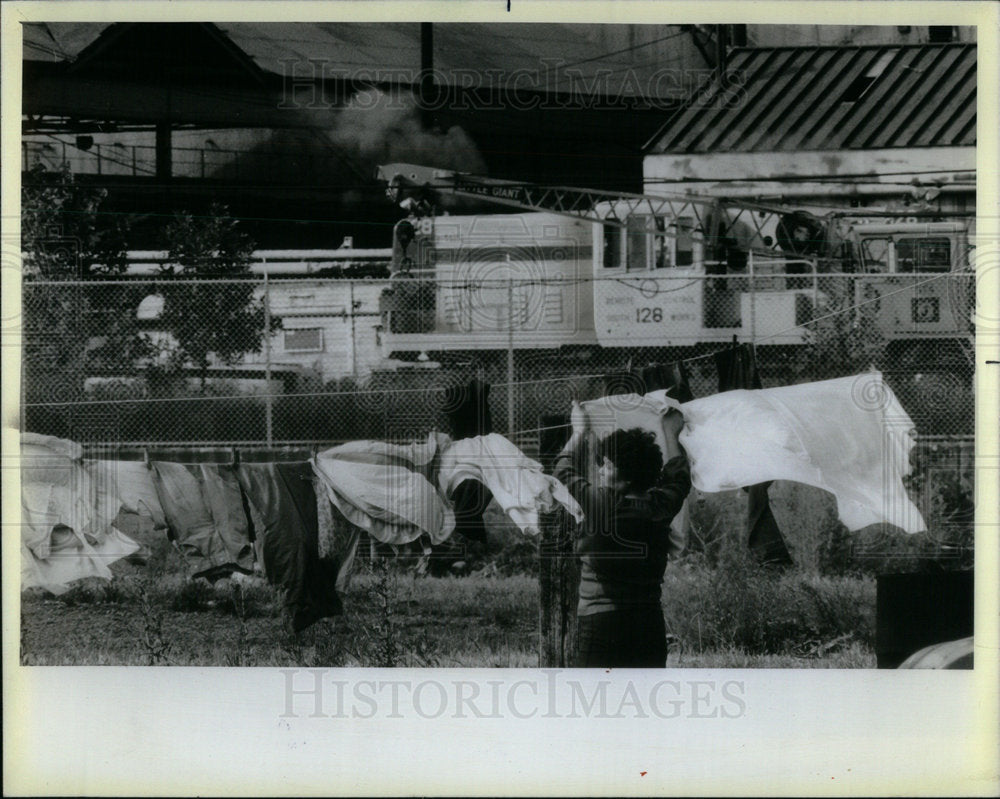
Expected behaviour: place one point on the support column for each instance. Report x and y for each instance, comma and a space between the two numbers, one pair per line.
164, 151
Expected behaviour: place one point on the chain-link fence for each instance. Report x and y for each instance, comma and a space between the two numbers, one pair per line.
313, 361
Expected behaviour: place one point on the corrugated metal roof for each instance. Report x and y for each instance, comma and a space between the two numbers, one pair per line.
833, 98
463, 52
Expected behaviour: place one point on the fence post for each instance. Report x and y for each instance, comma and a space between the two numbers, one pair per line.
753, 300
815, 271
268, 399
510, 358
354, 345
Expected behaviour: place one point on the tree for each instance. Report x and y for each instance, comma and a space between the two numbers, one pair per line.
220, 319
75, 324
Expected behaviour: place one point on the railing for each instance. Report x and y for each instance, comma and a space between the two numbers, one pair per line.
139, 160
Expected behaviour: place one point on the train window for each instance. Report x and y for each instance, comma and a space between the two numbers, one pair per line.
875, 254
923, 255
637, 243
662, 255
612, 247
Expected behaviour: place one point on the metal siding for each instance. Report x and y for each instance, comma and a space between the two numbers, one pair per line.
760, 103
793, 106
895, 129
955, 84
945, 114
963, 125
793, 100
884, 100
893, 103
832, 105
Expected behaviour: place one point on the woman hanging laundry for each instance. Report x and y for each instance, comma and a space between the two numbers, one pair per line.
624, 537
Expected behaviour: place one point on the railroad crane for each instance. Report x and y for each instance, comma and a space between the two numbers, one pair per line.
586, 267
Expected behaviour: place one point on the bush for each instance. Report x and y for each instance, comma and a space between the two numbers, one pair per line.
744, 606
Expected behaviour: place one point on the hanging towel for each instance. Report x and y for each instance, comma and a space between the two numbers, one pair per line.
66, 531
414, 455
849, 436
625, 411
283, 505
517, 482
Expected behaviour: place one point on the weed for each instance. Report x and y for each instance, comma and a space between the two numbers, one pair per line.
154, 642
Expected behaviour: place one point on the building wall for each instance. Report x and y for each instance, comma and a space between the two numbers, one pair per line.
941, 176
346, 313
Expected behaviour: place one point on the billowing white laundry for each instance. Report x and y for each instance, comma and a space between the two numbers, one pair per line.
66, 531
849, 436
394, 503
418, 453
517, 482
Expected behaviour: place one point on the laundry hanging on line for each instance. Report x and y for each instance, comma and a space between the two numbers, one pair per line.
205, 516
516, 482
382, 488
849, 436
468, 410
134, 485
737, 368
283, 515
66, 517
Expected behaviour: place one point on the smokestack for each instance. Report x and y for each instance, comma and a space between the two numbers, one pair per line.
426, 73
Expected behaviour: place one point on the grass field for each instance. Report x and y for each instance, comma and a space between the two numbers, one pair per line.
722, 619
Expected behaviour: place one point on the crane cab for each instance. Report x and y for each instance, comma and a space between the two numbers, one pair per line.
915, 275
650, 287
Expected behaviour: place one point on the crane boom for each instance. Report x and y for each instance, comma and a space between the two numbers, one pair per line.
708, 213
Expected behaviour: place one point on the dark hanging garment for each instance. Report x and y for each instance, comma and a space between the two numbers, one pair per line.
672, 376
283, 501
738, 369
469, 501
554, 432
468, 410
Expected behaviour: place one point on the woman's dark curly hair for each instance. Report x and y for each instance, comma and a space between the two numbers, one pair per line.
636, 456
